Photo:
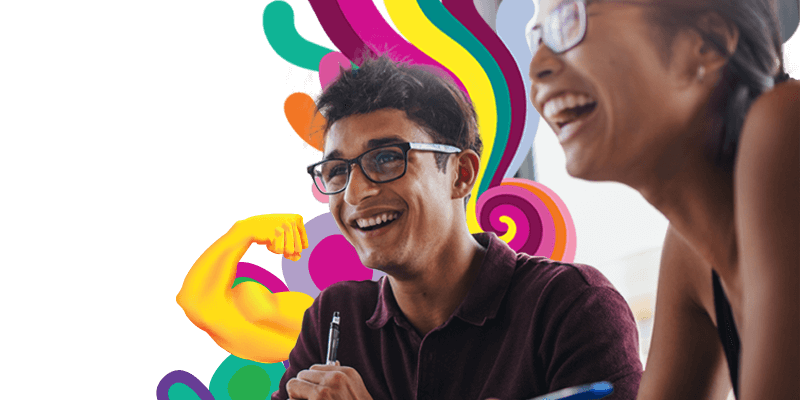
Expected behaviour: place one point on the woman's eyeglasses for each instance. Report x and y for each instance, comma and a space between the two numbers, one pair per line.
565, 26
562, 30
380, 165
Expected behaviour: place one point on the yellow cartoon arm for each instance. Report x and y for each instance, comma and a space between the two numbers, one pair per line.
248, 321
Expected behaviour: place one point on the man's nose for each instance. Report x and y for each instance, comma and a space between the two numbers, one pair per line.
359, 187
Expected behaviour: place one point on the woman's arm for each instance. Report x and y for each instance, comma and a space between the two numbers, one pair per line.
248, 321
686, 360
767, 199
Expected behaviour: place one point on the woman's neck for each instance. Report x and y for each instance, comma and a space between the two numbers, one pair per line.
696, 196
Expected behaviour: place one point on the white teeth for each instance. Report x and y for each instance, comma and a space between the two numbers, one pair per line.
557, 105
375, 220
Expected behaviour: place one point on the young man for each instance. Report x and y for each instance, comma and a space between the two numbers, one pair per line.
458, 316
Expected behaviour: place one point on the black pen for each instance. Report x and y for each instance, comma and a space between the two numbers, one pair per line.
333, 339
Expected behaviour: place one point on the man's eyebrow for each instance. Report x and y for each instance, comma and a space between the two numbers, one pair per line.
384, 141
371, 144
333, 154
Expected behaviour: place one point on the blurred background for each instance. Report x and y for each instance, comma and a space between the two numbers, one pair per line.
618, 232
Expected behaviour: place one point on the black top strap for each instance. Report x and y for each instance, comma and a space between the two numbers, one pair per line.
728, 334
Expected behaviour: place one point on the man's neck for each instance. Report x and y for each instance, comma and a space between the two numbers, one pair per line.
427, 300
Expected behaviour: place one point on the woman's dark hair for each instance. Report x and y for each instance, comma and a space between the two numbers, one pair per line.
752, 69
429, 99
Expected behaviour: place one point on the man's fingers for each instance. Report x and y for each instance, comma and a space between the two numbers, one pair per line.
311, 376
325, 367
299, 389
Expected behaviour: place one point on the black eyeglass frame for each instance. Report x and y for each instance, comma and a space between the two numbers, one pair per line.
405, 147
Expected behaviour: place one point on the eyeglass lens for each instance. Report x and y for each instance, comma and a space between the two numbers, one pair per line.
380, 165
572, 25
563, 28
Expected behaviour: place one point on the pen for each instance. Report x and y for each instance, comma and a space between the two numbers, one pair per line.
591, 391
333, 339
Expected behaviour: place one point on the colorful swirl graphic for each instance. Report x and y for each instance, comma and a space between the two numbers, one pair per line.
530, 217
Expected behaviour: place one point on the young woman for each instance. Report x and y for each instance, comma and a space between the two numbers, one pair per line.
688, 103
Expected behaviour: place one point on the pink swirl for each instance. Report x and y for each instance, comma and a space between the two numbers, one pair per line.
536, 233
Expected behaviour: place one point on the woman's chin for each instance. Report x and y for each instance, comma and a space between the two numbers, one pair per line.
582, 168
578, 166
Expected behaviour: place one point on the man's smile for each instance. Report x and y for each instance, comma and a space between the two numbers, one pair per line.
377, 221
376, 224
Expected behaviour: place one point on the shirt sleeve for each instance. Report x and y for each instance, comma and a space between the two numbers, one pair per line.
306, 352
592, 337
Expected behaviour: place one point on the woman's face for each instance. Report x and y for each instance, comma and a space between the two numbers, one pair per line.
618, 109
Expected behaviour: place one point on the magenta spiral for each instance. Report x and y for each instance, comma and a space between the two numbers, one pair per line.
535, 234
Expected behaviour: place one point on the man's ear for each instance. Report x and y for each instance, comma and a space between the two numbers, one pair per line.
467, 167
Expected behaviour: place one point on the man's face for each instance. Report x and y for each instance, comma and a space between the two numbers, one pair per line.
417, 207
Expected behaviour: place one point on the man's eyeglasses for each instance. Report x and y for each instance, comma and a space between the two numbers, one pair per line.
565, 26
380, 165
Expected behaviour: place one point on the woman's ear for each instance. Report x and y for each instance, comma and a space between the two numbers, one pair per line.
467, 165
718, 40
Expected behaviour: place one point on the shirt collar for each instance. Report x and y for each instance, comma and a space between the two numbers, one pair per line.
483, 299
387, 306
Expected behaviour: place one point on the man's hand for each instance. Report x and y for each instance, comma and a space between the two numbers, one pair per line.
330, 382
281, 233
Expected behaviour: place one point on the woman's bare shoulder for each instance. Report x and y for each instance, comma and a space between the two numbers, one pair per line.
685, 358
767, 180
787, 92
767, 200
686, 273
767, 171
773, 116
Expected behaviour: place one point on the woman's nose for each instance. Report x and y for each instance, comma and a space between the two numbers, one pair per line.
544, 63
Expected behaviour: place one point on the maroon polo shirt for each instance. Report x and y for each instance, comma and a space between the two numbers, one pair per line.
528, 326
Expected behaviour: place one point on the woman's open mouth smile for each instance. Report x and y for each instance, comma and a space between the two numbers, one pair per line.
568, 112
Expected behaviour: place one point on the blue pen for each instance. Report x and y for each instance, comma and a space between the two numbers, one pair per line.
591, 391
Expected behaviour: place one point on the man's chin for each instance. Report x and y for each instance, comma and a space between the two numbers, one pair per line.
375, 260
